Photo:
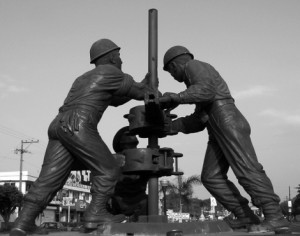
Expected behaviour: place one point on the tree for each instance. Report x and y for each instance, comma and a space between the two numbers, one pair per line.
298, 190
180, 194
205, 204
10, 199
196, 207
296, 204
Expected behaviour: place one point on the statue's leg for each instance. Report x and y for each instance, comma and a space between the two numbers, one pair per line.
232, 133
88, 147
214, 178
130, 196
55, 171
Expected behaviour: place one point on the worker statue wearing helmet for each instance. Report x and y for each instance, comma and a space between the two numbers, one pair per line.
74, 139
229, 142
130, 196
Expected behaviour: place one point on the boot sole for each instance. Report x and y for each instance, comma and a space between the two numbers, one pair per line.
277, 230
20, 232
94, 225
283, 230
234, 224
17, 232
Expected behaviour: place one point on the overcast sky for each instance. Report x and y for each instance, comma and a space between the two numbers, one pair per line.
254, 44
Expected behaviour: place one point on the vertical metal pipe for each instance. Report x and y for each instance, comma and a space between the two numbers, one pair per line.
152, 48
153, 196
153, 139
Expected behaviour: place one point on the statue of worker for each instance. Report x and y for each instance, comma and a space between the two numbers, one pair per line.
229, 142
130, 196
73, 137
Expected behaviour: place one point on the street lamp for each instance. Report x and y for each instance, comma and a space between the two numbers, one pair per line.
164, 184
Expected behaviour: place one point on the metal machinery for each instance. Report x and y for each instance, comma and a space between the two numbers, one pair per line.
152, 122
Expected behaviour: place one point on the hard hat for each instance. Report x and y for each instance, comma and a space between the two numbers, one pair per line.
102, 47
122, 139
175, 52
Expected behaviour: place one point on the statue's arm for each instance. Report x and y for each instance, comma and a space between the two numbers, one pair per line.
130, 89
193, 123
119, 100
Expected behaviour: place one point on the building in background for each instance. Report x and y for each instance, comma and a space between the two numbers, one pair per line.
69, 203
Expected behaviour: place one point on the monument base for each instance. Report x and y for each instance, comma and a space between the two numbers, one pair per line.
161, 229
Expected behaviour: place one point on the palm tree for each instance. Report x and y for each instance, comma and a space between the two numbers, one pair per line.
298, 189
182, 191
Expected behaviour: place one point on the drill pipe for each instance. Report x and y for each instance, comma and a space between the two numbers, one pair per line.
153, 139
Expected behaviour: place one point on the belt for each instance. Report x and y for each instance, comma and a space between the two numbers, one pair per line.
86, 110
218, 103
73, 107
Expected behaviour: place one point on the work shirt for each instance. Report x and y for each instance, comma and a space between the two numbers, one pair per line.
206, 84
204, 87
95, 88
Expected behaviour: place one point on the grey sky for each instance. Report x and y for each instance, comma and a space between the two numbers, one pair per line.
254, 44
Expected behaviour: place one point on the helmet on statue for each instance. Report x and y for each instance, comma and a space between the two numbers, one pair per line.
123, 140
174, 52
100, 48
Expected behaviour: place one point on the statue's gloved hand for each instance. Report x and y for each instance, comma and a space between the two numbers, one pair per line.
169, 100
120, 158
169, 128
146, 80
204, 117
159, 94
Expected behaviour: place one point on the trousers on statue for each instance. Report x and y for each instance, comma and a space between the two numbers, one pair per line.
64, 149
230, 146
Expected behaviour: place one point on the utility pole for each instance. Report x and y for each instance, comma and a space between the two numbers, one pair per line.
289, 205
22, 150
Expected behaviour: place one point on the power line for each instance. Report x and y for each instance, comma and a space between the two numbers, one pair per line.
42, 145
4, 157
19, 135
13, 133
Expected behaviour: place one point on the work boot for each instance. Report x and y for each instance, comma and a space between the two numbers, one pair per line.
133, 209
244, 217
97, 214
242, 222
33, 230
25, 223
279, 224
274, 220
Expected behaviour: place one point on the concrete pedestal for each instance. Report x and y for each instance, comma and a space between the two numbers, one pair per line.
161, 229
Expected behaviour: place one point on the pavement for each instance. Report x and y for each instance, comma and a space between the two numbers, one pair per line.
294, 230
